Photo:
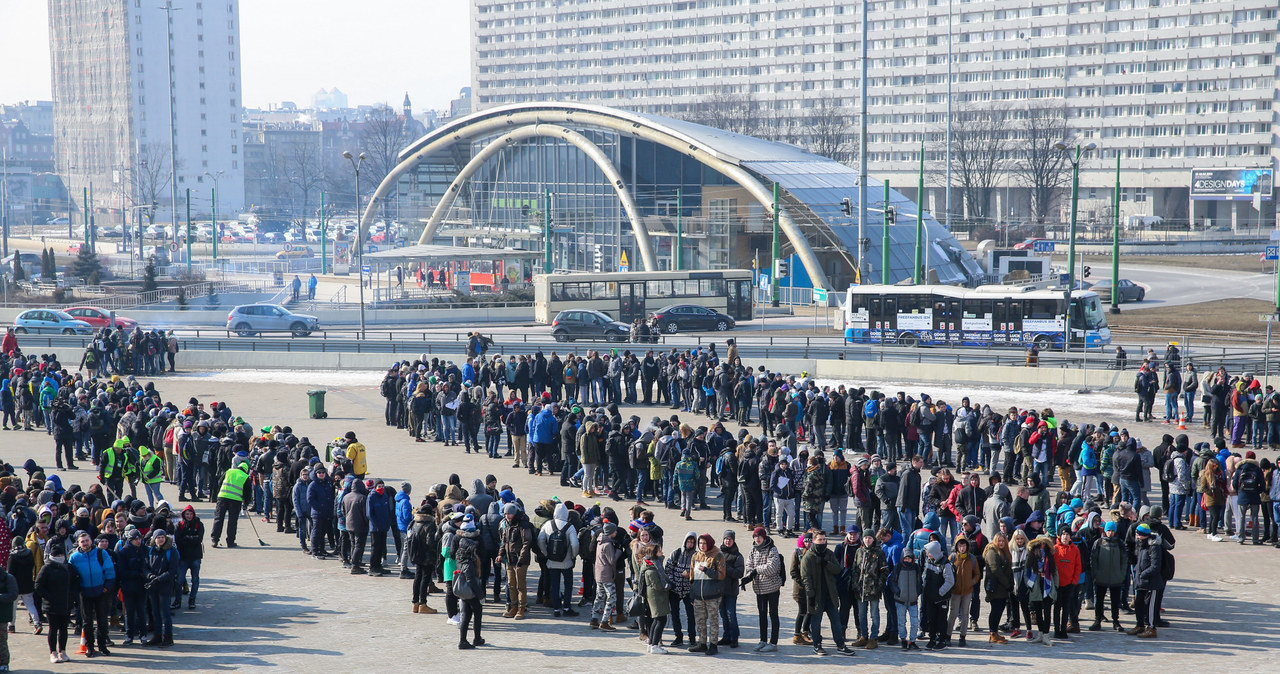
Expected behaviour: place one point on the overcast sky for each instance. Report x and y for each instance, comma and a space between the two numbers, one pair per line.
373, 50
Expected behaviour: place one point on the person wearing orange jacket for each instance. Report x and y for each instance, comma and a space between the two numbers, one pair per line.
1066, 557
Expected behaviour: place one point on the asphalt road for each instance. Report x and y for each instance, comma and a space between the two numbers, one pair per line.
1172, 286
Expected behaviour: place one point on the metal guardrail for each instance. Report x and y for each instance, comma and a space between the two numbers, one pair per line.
452, 344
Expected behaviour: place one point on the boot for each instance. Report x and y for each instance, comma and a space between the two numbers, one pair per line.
416, 606
510, 613
1096, 626
1149, 633
607, 626
520, 613
595, 624
872, 644
425, 610
862, 641
712, 649
1134, 631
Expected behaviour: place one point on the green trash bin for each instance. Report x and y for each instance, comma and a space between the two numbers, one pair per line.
315, 400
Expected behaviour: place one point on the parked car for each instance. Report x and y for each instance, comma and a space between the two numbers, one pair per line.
1129, 291
574, 324
1027, 244
50, 321
56, 221
687, 317
296, 252
249, 319
100, 318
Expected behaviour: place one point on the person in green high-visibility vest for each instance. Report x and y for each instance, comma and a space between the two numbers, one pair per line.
111, 468
230, 500
152, 474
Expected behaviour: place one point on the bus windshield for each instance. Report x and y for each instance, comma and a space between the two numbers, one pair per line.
1094, 317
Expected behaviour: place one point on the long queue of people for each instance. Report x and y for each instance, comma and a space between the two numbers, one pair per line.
1002, 533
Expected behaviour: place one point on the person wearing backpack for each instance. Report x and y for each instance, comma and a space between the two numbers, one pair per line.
1149, 580
1249, 483
97, 575
559, 542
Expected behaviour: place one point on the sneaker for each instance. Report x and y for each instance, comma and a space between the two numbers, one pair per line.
128, 641
760, 647
62, 655
657, 650
845, 650
818, 650
53, 657
454, 620
769, 648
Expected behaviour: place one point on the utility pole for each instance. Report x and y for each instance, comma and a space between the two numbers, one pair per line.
919, 263
862, 145
213, 221
188, 232
546, 230
324, 258
949, 59
884, 240
169, 9
4, 197
1115, 244
679, 230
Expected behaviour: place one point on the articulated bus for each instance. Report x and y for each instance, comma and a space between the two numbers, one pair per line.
626, 296
993, 315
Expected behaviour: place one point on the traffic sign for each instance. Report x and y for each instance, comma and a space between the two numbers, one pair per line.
820, 295
372, 248
366, 269
173, 247
1275, 235
288, 247
1267, 318
623, 264
1043, 247
1064, 279
764, 281
1273, 253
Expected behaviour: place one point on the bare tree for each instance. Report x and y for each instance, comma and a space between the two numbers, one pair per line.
150, 177
979, 154
305, 171
827, 129
383, 137
738, 113
1037, 164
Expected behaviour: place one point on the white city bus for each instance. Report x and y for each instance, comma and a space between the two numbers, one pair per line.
627, 296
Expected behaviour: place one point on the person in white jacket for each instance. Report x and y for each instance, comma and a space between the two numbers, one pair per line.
558, 543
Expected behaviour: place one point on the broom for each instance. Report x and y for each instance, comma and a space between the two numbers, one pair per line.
255, 532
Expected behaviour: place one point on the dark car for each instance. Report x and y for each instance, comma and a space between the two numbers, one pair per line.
587, 324
1129, 291
690, 317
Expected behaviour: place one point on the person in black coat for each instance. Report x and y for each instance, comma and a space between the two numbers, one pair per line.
57, 585
189, 538
160, 570
131, 573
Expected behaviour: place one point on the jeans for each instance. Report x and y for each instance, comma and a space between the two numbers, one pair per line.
1171, 407
948, 528
1188, 404
1131, 491
598, 391
304, 529
783, 506
561, 588
729, 617
766, 499
869, 610
839, 511
153, 493
1176, 502
907, 518
194, 567
815, 624
904, 611
160, 612
135, 612
450, 428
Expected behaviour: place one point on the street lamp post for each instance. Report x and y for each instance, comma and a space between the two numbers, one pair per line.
1071, 241
355, 164
1115, 243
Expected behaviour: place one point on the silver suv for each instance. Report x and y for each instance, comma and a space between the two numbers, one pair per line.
249, 319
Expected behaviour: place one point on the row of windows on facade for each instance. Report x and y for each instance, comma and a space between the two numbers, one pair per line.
231, 6
959, 22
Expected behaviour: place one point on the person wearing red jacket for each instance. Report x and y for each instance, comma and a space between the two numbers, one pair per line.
1066, 558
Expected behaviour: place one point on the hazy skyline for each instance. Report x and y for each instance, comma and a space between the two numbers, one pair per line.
373, 51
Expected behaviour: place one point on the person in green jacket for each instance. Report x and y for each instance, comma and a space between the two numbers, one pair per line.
1109, 564
819, 569
651, 583
999, 584
687, 483
8, 595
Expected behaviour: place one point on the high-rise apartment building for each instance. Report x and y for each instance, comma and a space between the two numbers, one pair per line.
122, 70
1167, 85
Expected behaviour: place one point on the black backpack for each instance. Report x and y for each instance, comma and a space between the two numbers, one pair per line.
1166, 564
1168, 471
1250, 478
558, 543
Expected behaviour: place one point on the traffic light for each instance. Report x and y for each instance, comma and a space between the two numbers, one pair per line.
846, 206
1087, 271
866, 244
781, 269
890, 215
599, 258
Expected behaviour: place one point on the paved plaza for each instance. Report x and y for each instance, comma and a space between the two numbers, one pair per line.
273, 607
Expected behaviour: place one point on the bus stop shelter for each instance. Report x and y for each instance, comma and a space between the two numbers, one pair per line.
408, 258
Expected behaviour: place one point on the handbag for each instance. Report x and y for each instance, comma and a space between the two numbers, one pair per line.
636, 606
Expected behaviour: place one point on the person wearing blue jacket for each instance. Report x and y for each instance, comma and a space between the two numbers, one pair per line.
378, 510
97, 588
132, 571
892, 543
302, 508
161, 570
404, 518
546, 432
920, 537
320, 504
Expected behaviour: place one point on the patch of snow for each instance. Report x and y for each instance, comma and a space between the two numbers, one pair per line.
327, 378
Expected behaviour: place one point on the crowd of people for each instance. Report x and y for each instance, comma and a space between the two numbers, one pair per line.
932, 510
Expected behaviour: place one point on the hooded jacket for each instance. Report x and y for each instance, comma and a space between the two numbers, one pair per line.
765, 567
560, 522
517, 540
938, 577
189, 537
377, 506
479, 497
1109, 562
57, 584
819, 569
920, 537
734, 567
545, 427
320, 496
1148, 572
355, 507
996, 508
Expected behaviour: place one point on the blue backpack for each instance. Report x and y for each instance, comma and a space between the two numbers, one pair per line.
871, 409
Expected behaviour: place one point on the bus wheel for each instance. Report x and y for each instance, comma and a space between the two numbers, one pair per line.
909, 340
1042, 342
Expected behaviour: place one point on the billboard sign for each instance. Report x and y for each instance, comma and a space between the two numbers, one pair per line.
1231, 184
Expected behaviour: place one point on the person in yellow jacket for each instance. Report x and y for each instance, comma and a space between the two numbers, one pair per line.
111, 468
356, 453
230, 500
152, 474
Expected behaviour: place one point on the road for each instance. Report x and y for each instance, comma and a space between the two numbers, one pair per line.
1173, 286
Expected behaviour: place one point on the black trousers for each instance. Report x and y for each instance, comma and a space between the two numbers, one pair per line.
358, 541
471, 612
319, 529
378, 550
767, 607
96, 610
421, 581
1099, 593
284, 514
1062, 607
226, 507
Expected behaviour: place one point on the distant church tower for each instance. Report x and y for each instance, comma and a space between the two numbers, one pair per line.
408, 107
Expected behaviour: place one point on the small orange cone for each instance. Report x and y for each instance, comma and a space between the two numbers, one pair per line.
1182, 421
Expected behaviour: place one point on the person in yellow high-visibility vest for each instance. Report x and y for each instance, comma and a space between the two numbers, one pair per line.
111, 468
152, 474
230, 500
356, 452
